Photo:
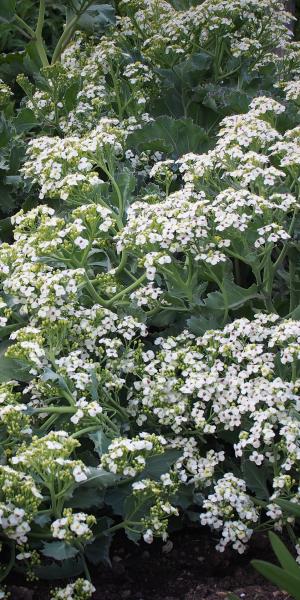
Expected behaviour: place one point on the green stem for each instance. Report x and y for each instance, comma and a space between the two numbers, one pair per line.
293, 292
122, 263
81, 432
41, 18
127, 290
60, 410
26, 27
68, 32
94, 293
64, 39
117, 190
39, 43
85, 567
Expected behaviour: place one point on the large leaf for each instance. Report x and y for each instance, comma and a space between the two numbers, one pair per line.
100, 441
11, 368
256, 479
126, 183
95, 18
191, 70
25, 120
233, 296
70, 567
179, 136
159, 464
85, 497
98, 551
58, 550
97, 477
116, 497
7, 10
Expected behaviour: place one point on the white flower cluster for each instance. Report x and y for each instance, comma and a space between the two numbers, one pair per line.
73, 526
128, 456
61, 165
231, 510
5, 93
155, 523
48, 456
250, 28
81, 589
19, 502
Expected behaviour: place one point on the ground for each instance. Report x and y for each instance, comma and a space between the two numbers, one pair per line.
186, 568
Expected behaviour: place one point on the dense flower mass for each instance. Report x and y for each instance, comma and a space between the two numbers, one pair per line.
150, 285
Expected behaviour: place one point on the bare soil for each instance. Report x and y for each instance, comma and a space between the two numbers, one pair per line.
186, 568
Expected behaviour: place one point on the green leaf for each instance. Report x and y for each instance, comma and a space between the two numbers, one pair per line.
71, 567
7, 10
86, 497
50, 375
127, 184
283, 579
198, 325
58, 550
11, 368
159, 464
95, 18
7, 200
191, 70
284, 556
116, 497
256, 479
25, 120
178, 135
100, 441
97, 477
98, 551
289, 507
233, 297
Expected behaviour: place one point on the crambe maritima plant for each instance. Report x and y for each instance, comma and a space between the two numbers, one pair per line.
150, 287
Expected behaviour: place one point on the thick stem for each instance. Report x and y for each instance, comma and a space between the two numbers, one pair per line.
68, 32
127, 290
39, 43
26, 27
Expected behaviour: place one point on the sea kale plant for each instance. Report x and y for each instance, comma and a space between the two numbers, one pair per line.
149, 308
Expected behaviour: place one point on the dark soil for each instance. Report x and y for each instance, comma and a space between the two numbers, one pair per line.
186, 568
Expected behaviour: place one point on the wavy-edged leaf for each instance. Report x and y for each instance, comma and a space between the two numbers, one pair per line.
59, 550
11, 368
256, 479
178, 136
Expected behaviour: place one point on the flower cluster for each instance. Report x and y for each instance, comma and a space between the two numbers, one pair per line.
12, 411
231, 509
128, 456
80, 590
73, 527
48, 457
155, 523
19, 503
61, 166
166, 34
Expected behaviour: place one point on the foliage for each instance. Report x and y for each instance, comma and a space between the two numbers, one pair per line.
150, 283
286, 577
